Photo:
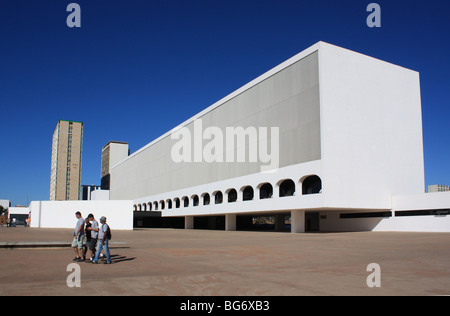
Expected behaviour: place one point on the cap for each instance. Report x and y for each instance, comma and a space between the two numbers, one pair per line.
103, 218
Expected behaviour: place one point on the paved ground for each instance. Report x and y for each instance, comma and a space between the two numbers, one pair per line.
180, 262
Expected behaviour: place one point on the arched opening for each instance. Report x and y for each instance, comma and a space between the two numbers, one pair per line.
265, 191
206, 199
312, 185
195, 200
163, 205
185, 201
218, 197
232, 196
135, 207
139, 207
287, 188
155, 206
169, 204
144, 207
248, 194
177, 202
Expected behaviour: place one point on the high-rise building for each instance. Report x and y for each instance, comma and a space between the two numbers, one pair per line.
438, 188
66, 161
112, 153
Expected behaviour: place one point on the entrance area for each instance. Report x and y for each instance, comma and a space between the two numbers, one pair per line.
275, 222
312, 222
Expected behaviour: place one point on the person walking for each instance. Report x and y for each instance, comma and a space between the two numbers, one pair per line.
87, 232
103, 240
77, 243
93, 229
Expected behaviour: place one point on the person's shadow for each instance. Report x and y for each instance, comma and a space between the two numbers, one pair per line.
120, 258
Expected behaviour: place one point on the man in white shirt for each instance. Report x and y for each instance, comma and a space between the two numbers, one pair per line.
77, 243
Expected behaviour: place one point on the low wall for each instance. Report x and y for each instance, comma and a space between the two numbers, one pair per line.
437, 224
61, 214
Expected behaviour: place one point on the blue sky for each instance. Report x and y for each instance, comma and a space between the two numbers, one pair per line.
137, 68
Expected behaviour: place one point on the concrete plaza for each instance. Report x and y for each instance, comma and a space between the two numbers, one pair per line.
199, 263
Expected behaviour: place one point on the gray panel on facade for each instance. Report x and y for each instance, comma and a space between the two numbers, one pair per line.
288, 100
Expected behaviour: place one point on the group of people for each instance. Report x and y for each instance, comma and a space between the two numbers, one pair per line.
12, 222
90, 237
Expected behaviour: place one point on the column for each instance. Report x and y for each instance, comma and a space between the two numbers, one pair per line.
230, 222
189, 222
297, 222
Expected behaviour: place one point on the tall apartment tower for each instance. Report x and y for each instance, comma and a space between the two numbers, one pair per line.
66, 161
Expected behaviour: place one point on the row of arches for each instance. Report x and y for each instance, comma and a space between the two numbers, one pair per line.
285, 188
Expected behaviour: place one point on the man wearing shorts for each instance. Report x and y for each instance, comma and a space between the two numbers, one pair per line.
77, 243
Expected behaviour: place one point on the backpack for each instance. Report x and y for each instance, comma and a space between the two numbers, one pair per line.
108, 233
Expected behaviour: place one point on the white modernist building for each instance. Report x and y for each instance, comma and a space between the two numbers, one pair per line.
344, 131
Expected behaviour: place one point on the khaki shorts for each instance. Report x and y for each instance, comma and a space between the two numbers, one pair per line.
78, 242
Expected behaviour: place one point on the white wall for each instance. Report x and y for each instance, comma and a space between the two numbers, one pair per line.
100, 195
424, 201
415, 224
19, 210
417, 202
61, 214
298, 201
371, 129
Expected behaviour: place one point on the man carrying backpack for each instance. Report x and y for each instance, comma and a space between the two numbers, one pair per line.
104, 235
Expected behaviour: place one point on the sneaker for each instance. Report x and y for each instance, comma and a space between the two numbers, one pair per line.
76, 259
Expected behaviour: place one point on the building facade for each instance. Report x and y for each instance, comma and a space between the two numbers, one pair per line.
67, 147
329, 140
348, 136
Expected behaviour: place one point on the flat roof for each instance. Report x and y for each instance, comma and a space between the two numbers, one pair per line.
70, 121
114, 142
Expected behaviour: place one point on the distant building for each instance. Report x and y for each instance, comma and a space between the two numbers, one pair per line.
66, 161
112, 153
438, 188
86, 190
20, 213
5, 203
